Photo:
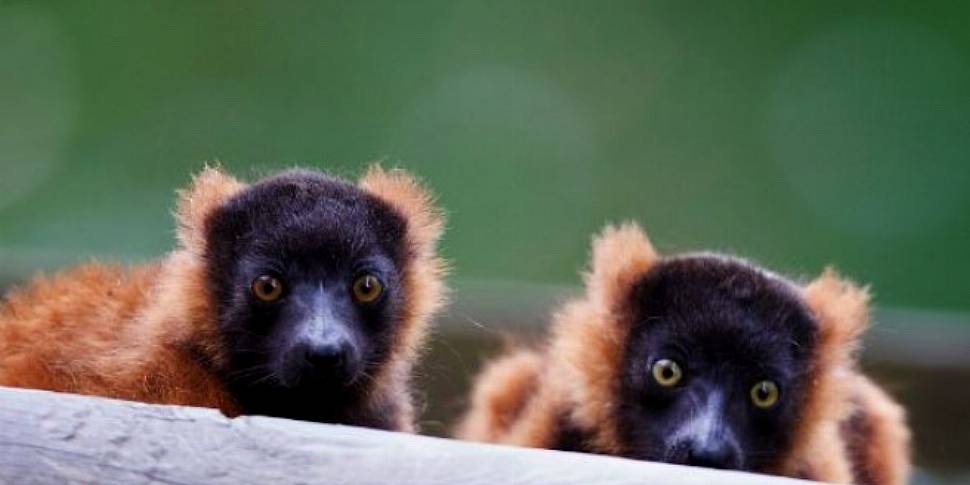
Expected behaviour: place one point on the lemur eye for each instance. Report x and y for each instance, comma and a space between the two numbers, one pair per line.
764, 394
367, 288
267, 288
666, 372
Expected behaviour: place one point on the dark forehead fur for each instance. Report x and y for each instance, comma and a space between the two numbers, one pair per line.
301, 212
740, 309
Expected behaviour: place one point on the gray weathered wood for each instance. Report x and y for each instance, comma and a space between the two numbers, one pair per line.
56, 438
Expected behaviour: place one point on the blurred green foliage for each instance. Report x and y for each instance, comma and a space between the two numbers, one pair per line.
796, 133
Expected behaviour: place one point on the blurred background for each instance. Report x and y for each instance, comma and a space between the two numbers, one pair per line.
798, 134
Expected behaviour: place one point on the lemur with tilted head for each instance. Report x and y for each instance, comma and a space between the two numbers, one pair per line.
301, 296
703, 360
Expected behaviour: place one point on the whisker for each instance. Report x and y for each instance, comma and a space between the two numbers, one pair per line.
248, 372
267, 378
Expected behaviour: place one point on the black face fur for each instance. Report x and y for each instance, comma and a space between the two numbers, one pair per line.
310, 353
728, 326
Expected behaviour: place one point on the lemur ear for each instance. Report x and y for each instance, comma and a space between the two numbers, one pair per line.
406, 194
842, 310
620, 254
209, 189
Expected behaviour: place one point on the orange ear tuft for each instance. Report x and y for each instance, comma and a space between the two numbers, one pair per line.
590, 334
842, 310
208, 190
619, 256
413, 200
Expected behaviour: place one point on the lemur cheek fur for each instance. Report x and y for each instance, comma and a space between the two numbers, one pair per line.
244, 314
702, 360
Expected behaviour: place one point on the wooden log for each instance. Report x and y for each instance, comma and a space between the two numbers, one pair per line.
48, 437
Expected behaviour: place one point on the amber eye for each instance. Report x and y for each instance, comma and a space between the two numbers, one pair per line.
667, 373
267, 288
367, 289
764, 394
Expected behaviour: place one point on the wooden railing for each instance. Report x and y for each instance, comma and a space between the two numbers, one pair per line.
49, 437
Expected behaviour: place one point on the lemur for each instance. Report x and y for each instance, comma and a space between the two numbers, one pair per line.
302, 296
700, 359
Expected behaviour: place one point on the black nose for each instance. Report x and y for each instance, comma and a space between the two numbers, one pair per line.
331, 357
319, 363
717, 454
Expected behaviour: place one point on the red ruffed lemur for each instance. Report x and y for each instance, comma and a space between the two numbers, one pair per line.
702, 360
301, 296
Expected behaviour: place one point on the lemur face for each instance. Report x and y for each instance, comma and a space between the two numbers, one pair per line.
714, 369
307, 271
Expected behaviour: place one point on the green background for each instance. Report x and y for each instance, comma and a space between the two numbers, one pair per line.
795, 133
799, 134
